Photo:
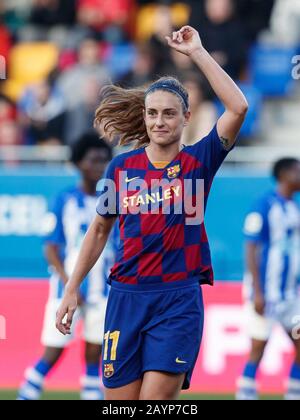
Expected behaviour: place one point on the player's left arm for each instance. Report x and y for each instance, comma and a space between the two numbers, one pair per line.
188, 42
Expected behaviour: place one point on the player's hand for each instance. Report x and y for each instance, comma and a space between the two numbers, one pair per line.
66, 309
186, 40
259, 303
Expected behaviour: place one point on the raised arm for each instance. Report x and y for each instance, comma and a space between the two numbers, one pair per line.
187, 41
91, 249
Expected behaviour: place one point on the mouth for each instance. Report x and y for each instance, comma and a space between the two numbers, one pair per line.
160, 132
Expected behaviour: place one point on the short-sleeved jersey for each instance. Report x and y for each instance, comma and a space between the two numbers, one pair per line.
162, 245
71, 214
274, 224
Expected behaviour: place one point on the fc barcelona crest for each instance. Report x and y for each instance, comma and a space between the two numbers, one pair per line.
174, 171
108, 370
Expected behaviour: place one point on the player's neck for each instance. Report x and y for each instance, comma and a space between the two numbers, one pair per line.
88, 187
158, 153
285, 191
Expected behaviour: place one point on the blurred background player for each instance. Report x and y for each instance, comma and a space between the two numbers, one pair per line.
273, 254
71, 215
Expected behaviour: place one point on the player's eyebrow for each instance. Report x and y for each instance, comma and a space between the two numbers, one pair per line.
164, 110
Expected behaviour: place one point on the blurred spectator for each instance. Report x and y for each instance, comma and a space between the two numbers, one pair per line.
10, 134
143, 68
42, 114
15, 13
285, 22
22, 7
53, 12
145, 2
7, 109
5, 40
107, 16
255, 15
162, 26
67, 59
180, 64
222, 34
73, 82
203, 113
54, 21
81, 118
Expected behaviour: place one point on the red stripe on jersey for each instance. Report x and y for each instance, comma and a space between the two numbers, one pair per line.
151, 175
192, 257
121, 227
189, 163
128, 279
150, 265
132, 247
139, 161
174, 277
152, 223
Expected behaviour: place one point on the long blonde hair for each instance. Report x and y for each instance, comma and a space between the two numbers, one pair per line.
121, 113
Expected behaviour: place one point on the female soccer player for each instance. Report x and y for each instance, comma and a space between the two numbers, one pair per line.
154, 317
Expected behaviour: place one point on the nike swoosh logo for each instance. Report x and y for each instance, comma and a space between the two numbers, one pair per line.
180, 361
131, 179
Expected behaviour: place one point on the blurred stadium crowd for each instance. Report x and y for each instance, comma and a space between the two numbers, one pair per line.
60, 52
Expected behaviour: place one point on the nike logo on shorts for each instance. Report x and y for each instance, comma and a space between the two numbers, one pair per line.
180, 361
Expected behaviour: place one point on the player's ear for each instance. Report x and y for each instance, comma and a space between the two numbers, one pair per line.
187, 117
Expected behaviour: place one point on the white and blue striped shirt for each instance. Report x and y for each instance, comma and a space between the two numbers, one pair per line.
274, 224
72, 213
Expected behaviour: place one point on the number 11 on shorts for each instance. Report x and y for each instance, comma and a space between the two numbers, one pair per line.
114, 336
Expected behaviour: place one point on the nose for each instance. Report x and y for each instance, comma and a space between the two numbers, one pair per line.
159, 121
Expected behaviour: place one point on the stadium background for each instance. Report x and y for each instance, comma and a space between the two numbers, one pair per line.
55, 55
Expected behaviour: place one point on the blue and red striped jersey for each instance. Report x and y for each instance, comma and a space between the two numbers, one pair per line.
161, 213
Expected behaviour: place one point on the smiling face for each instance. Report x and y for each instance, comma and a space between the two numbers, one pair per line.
164, 118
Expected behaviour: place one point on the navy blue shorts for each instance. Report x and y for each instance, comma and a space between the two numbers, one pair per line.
152, 328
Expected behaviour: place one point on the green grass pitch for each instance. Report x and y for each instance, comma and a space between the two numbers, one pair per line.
63, 395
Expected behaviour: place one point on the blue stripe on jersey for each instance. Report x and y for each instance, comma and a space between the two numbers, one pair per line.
285, 273
84, 288
60, 289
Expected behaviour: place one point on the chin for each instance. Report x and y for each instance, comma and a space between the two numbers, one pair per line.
164, 141
159, 142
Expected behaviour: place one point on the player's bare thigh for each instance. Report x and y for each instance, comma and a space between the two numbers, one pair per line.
153, 386
161, 386
128, 392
